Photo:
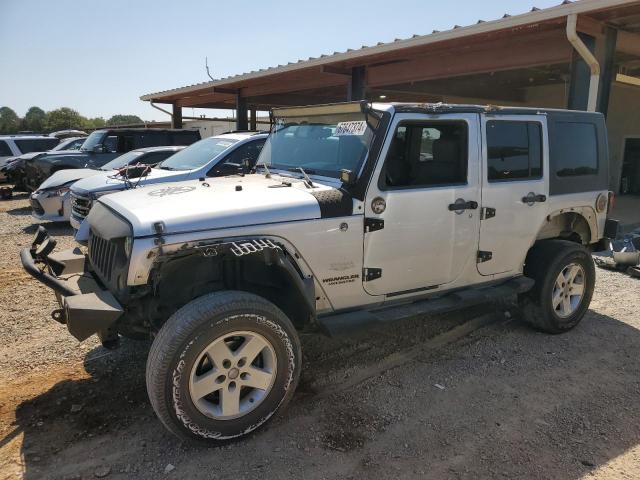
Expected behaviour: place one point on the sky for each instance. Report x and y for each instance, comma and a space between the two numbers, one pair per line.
100, 56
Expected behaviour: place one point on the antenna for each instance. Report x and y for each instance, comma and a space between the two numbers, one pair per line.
206, 65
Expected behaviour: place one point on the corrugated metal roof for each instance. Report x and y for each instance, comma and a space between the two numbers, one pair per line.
535, 15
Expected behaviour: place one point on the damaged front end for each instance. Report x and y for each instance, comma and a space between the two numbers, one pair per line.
85, 307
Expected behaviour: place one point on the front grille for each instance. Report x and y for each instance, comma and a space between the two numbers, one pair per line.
35, 204
80, 206
105, 256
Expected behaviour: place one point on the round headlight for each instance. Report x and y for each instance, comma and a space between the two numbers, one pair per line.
601, 203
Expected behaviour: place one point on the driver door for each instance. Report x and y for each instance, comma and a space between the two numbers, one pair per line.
421, 210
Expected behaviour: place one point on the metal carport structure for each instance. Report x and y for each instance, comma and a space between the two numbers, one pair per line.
528, 59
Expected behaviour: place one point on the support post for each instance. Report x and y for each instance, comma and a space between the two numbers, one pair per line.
241, 113
356, 88
580, 77
176, 116
608, 69
253, 119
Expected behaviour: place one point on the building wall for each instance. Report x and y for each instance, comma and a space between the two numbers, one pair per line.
209, 128
623, 121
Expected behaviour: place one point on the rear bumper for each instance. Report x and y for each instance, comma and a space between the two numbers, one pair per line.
86, 308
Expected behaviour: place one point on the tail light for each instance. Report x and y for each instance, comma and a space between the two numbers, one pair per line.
611, 203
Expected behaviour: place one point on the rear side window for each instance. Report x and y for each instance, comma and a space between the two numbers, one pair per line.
427, 155
5, 151
575, 149
514, 150
36, 144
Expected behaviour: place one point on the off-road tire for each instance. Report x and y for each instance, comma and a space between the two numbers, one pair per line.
544, 263
181, 341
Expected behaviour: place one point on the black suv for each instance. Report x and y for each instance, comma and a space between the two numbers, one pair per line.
101, 147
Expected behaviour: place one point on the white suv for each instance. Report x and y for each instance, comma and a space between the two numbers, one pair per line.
359, 214
16, 145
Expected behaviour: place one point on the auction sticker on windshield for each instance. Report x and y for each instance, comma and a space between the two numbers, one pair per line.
351, 128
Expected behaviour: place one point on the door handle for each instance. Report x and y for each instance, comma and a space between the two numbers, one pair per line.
532, 198
462, 205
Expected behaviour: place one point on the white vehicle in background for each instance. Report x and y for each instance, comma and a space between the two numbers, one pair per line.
12, 146
224, 154
359, 214
52, 201
14, 167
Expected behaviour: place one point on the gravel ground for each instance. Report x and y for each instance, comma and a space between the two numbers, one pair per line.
470, 395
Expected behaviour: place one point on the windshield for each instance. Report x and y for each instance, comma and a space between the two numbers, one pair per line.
198, 154
320, 144
92, 140
121, 161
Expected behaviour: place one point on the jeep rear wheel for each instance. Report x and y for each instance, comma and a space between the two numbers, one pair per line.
222, 366
565, 279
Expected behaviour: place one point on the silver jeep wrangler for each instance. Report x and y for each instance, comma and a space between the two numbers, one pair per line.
357, 214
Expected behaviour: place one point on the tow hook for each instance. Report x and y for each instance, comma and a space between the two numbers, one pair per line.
58, 316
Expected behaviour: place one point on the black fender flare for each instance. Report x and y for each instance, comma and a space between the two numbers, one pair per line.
304, 285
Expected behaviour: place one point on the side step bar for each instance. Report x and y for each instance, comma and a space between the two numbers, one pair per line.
341, 323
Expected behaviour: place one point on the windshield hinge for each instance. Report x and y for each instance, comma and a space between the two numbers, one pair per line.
373, 224
370, 274
484, 256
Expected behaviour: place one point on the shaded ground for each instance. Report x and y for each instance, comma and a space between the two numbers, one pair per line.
464, 396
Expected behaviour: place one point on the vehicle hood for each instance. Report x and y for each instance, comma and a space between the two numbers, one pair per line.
62, 177
61, 153
104, 181
192, 205
30, 155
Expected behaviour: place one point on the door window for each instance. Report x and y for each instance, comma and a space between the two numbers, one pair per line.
36, 144
125, 143
514, 150
427, 155
249, 151
5, 150
110, 144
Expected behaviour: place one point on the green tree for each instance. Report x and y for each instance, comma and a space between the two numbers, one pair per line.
9, 120
124, 120
34, 120
97, 122
64, 118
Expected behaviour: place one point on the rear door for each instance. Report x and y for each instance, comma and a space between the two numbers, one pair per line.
514, 189
422, 205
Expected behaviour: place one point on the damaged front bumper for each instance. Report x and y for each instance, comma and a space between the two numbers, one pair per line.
85, 307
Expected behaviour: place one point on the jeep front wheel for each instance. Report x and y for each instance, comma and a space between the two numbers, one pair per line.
565, 278
222, 366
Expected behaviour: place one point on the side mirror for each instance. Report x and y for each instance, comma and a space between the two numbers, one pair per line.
347, 177
98, 149
246, 165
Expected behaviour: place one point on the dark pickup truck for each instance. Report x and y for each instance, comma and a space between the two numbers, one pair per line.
101, 147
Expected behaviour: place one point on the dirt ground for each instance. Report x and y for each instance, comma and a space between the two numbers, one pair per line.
471, 395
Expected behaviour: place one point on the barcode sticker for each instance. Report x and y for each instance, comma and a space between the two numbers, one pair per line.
351, 128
